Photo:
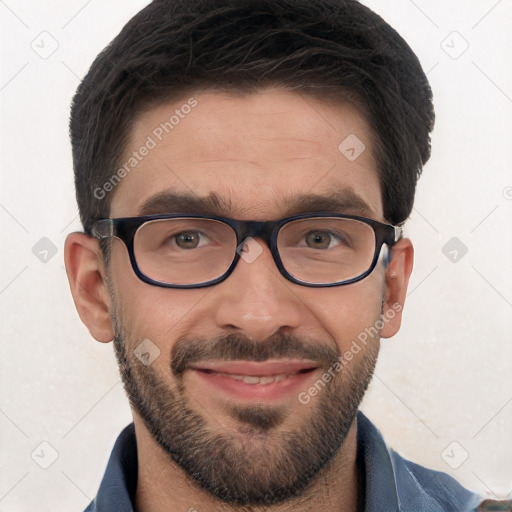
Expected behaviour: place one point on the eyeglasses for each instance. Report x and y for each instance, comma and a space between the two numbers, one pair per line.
181, 250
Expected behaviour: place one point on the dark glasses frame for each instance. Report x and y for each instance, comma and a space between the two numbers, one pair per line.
126, 228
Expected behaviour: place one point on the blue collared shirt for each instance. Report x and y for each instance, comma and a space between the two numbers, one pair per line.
392, 483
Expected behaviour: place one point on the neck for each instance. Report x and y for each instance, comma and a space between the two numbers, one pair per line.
162, 485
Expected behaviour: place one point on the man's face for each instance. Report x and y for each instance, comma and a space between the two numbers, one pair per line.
245, 439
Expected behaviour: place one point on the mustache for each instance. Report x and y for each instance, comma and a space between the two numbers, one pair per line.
234, 346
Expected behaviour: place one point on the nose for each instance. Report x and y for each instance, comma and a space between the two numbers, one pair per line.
256, 299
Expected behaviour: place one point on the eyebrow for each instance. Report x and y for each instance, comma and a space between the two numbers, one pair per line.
344, 201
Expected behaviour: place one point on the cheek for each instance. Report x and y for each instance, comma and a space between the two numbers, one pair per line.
150, 312
346, 311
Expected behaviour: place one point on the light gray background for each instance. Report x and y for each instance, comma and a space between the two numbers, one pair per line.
442, 390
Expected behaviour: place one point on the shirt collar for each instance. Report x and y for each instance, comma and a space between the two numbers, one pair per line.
119, 483
390, 482
373, 456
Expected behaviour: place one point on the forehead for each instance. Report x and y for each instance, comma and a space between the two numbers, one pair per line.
260, 156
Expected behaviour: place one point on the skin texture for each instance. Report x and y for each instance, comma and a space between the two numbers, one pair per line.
255, 152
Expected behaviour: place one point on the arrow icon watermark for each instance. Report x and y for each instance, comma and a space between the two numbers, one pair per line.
352, 147
454, 249
146, 352
44, 250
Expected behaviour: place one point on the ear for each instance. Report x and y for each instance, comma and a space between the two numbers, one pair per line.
398, 272
87, 279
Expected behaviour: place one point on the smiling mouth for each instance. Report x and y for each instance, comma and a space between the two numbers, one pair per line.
250, 380
257, 379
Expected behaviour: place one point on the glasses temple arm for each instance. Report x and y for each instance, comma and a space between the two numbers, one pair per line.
399, 233
103, 229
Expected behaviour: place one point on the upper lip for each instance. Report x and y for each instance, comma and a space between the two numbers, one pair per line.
256, 368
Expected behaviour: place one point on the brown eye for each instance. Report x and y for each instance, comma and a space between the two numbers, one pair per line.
318, 240
187, 239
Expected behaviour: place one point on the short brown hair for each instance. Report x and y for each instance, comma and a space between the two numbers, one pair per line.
320, 47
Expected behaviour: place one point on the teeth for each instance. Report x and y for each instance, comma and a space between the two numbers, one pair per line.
236, 377
254, 379
250, 379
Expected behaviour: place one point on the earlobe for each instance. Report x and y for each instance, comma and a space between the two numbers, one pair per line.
86, 275
398, 272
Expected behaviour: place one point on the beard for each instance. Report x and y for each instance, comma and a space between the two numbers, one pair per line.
257, 463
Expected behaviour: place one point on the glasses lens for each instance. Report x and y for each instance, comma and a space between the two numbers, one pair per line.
326, 250
184, 251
